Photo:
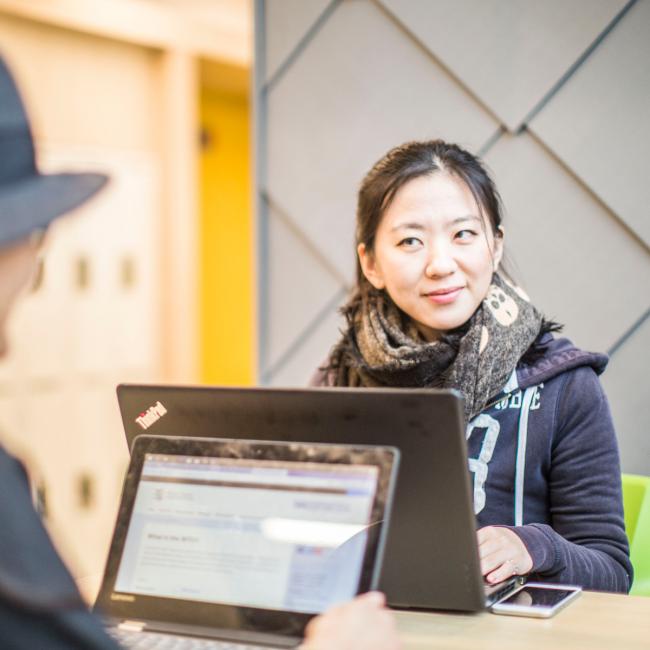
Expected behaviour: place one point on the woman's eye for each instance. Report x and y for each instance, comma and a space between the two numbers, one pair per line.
465, 234
410, 242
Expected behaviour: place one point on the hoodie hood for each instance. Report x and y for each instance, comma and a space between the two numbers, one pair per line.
559, 355
553, 357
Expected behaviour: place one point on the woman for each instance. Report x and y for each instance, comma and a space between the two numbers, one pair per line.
433, 309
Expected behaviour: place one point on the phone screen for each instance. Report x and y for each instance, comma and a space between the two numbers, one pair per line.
538, 597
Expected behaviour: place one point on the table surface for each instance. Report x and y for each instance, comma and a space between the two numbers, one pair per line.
595, 621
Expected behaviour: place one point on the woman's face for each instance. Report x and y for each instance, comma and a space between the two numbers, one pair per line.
434, 254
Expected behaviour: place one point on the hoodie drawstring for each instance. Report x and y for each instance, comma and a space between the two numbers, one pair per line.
520, 465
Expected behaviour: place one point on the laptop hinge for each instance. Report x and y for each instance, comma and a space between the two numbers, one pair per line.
131, 626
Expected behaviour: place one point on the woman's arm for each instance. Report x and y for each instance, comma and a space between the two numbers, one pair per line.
586, 542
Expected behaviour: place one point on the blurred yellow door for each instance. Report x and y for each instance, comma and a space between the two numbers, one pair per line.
226, 242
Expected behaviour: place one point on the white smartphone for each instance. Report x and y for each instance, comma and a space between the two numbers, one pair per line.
537, 599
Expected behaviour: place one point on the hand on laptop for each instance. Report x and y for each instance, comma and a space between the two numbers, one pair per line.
502, 554
362, 624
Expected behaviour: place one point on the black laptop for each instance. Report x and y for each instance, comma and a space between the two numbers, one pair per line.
226, 544
431, 559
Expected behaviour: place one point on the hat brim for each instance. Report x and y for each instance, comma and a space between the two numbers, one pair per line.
35, 202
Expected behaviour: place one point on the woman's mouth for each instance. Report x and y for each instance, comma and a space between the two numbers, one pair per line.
444, 296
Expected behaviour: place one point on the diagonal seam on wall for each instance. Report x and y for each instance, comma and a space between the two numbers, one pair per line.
301, 45
268, 374
613, 349
592, 192
545, 98
441, 64
491, 141
574, 67
290, 223
629, 333
262, 89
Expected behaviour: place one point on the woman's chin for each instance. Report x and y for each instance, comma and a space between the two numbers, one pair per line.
434, 329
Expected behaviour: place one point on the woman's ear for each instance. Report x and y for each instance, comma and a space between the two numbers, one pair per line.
497, 253
369, 267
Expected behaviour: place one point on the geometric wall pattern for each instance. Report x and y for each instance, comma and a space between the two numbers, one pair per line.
555, 97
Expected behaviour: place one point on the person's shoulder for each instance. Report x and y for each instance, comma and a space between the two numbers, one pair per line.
13, 479
557, 357
31, 573
581, 406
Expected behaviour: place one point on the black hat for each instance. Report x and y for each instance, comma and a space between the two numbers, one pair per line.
29, 200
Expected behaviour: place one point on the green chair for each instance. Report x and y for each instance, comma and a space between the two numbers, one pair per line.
636, 502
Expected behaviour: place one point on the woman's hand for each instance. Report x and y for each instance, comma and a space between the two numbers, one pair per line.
362, 624
502, 554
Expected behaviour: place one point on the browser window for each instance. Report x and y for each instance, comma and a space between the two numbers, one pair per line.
270, 534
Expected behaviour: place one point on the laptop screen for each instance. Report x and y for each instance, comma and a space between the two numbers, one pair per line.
271, 534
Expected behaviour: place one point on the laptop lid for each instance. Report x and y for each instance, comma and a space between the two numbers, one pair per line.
245, 538
432, 557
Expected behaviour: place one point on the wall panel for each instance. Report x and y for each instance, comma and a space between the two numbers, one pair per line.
607, 105
510, 54
376, 73
626, 384
547, 231
317, 137
300, 287
287, 24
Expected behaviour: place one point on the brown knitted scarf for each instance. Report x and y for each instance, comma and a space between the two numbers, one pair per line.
382, 346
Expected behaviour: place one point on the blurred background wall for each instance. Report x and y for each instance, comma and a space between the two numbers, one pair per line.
153, 280
555, 96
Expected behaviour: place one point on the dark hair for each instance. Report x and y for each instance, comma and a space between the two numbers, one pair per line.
412, 160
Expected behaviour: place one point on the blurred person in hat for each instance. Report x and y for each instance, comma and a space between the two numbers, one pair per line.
40, 605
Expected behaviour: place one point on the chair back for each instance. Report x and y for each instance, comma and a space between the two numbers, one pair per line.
636, 504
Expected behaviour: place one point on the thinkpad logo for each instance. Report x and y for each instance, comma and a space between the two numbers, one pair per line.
151, 415
125, 597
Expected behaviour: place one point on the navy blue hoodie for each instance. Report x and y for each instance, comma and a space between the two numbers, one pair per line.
544, 461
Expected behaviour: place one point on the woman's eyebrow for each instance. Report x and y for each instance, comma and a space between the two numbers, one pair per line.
408, 225
416, 225
469, 217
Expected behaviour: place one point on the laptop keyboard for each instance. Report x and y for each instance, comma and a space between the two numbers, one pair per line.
156, 641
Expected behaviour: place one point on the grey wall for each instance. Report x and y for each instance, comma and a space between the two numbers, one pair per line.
554, 95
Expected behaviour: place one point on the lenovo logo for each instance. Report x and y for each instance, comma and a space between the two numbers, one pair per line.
151, 415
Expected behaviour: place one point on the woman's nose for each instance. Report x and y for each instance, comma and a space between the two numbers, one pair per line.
440, 262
